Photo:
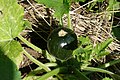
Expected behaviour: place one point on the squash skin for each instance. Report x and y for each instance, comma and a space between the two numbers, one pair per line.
61, 43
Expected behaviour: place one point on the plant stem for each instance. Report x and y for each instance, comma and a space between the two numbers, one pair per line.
29, 44
37, 70
115, 76
109, 63
80, 74
97, 70
36, 61
61, 22
52, 73
69, 21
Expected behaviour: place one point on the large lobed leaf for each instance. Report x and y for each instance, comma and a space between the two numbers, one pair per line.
11, 24
58, 5
61, 7
10, 19
12, 49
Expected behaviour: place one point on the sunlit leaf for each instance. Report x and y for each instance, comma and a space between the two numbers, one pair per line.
13, 50
106, 78
11, 24
61, 7
84, 41
102, 46
113, 5
58, 5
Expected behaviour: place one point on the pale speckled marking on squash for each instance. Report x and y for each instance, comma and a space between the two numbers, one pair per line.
62, 33
63, 44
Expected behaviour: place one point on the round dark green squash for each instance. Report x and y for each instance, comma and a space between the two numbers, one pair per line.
61, 43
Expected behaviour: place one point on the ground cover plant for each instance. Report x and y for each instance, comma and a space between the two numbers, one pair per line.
59, 40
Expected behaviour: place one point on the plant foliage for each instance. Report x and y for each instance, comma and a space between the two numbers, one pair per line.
11, 24
77, 67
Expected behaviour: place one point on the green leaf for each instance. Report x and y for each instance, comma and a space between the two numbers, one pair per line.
78, 51
113, 5
8, 69
106, 78
113, 75
82, 55
58, 5
50, 57
84, 40
103, 53
13, 50
53, 72
98, 70
81, 0
11, 24
80, 75
102, 46
116, 32
110, 63
70, 1
100, 0
61, 7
